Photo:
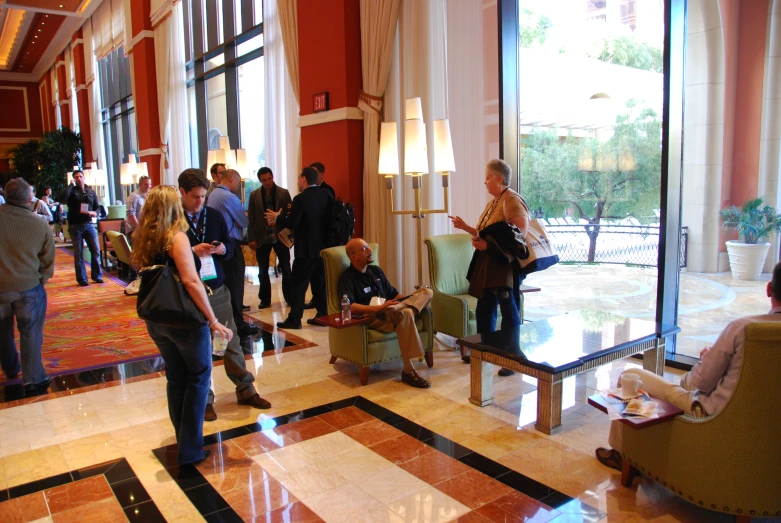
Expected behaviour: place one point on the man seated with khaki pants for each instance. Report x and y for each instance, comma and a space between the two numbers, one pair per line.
361, 282
708, 387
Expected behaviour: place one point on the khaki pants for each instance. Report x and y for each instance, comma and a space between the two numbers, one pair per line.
233, 360
407, 332
683, 396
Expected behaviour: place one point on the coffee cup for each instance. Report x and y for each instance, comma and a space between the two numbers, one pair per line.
630, 384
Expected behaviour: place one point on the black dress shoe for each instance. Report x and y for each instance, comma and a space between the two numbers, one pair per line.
245, 307
416, 380
263, 306
38, 386
206, 454
99, 279
505, 372
310, 305
313, 321
83, 283
288, 325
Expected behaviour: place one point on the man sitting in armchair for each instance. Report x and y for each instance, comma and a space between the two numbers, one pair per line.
361, 282
708, 387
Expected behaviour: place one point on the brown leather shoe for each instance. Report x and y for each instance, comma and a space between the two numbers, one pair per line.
256, 401
415, 380
609, 458
210, 415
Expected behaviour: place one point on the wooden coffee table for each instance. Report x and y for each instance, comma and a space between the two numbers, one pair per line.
556, 348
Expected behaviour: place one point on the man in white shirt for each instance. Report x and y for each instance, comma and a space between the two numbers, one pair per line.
708, 387
135, 204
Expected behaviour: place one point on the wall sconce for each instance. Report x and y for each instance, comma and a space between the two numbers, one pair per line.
232, 158
416, 164
130, 173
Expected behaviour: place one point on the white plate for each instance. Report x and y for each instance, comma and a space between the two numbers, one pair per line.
617, 392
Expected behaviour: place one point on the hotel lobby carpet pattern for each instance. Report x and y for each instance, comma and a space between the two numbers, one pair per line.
72, 338
355, 461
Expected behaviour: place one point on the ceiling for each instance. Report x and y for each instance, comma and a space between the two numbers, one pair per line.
34, 32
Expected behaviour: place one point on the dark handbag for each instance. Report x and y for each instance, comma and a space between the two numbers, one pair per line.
505, 242
162, 299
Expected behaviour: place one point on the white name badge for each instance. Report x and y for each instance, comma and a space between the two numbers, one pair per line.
367, 290
376, 300
208, 270
84, 208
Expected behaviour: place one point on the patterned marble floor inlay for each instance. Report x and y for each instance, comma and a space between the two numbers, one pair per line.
354, 460
106, 492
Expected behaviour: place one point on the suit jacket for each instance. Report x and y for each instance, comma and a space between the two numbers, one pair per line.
257, 223
328, 188
308, 219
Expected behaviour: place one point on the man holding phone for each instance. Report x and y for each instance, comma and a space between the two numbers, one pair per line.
83, 208
211, 242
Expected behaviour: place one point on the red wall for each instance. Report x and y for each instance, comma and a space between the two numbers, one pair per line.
15, 114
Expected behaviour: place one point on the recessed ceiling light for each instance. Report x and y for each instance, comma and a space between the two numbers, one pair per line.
62, 6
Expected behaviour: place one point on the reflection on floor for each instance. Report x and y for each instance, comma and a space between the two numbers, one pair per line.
44, 439
708, 302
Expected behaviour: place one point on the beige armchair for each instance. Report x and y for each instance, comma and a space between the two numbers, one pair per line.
729, 462
359, 344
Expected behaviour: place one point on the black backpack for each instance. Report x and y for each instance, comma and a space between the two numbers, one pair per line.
341, 222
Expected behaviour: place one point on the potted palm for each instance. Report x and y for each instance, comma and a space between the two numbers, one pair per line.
754, 222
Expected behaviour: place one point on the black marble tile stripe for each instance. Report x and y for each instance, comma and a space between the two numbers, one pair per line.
197, 488
131, 494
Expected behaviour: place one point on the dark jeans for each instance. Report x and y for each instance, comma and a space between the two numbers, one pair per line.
485, 312
79, 233
283, 259
306, 271
29, 309
188, 369
234, 280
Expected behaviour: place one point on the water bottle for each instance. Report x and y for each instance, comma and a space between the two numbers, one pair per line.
346, 315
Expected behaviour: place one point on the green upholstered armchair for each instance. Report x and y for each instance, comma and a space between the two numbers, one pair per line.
454, 310
729, 462
359, 344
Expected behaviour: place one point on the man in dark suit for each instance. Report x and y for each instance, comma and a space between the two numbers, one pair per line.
263, 235
307, 220
320, 168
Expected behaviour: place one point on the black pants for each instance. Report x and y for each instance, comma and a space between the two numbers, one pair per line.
234, 280
306, 271
283, 260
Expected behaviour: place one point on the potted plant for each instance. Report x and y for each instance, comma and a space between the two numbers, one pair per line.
753, 222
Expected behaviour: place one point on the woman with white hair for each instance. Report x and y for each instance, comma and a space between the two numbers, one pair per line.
491, 282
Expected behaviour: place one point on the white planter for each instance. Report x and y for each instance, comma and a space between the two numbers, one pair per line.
746, 260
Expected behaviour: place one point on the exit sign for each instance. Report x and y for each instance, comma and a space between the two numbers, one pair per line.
320, 102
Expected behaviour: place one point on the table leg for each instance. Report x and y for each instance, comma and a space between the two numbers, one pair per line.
653, 359
482, 380
548, 406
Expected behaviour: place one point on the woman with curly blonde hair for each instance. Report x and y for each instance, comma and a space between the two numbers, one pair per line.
161, 236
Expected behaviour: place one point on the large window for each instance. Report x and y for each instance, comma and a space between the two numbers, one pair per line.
118, 116
225, 78
590, 87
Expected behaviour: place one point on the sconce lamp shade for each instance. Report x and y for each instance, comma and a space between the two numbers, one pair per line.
389, 149
415, 149
443, 147
413, 109
225, 143
141, 170
241, 163
126, 174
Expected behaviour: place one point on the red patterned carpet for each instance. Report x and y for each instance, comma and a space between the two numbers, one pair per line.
89, 327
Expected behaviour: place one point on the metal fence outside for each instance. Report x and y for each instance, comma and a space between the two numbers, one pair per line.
616, 244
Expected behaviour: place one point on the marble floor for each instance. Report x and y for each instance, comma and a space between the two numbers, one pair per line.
328, 450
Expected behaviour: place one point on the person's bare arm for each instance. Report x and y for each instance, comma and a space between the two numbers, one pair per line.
182, 254
459, 223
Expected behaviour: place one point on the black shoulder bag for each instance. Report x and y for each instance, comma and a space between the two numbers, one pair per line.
162, 299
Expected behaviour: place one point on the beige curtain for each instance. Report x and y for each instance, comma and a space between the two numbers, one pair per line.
288, 20
378, 31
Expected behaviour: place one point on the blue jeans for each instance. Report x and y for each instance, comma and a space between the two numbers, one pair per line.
188, 370
485, 312
85, 231
29, 308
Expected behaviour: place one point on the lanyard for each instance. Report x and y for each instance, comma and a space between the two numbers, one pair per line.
200, 232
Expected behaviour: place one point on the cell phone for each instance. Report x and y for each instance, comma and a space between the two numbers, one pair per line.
215, 243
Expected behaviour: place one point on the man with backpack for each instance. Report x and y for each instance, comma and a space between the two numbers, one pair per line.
308, 219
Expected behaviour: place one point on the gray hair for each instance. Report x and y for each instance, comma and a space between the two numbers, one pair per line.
501, 168
17, 191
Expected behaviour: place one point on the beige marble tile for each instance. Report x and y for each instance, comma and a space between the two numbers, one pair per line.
90, 450
311, 480
379, 515
390, 484
285, 460
343, 503
428, 505
359, 464
330, 447
33, 464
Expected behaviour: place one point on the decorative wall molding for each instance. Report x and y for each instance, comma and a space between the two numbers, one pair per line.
77, 42
26, 110
59, 63
150, 152
15, 140
334, 115
80, 88
146, 33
